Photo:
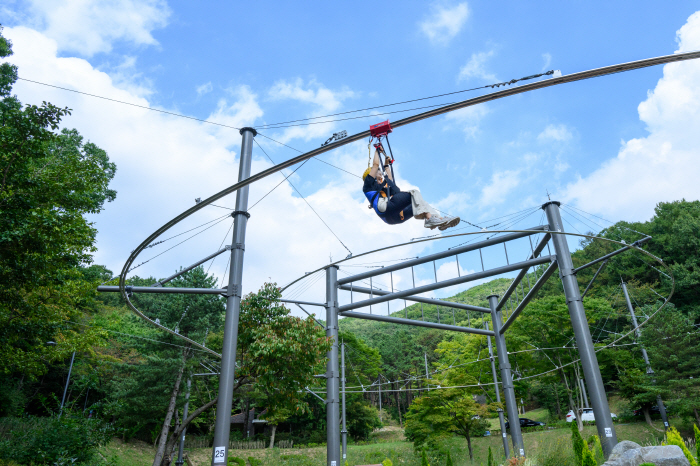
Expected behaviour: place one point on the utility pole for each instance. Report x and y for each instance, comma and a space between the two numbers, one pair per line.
584, 343
498, 395
222, 426
65, 389
427, 376
650, 371
332, 376
582, 384
344, 432
380, 397
516, 435
181, 445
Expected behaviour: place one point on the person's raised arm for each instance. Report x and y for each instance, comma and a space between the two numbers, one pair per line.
375, 165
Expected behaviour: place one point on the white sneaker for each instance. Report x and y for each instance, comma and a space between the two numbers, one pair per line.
434, 222
450, 222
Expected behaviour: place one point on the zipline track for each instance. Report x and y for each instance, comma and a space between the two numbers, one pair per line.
597, 72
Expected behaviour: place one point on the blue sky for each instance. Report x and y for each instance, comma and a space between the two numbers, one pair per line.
612, 146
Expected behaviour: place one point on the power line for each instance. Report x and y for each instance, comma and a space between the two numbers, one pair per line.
513, 81
129, 103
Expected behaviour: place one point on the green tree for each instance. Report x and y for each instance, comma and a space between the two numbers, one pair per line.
440, 413
364, 419
578, 443
49, 182
673, 344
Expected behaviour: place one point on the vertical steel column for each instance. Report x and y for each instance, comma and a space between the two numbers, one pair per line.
181, 443
332, 376
344, 432
380, 397
498, 395
507, 379
222, 426
650, 371
584, 343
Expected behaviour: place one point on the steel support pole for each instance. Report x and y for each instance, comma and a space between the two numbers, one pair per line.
344, 431
332, 376
380, 397
222, 426
181, 445
582, 384
504, 435
650, 371
65, 389
516, 435
584, 343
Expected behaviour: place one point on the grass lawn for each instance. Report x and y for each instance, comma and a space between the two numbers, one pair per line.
552, 447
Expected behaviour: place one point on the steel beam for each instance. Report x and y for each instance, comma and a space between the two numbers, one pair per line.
582, 333
530, 294
498, 394
418, 299
332, 375
597, 272
291, 301
441, 255
514, 284
614, 253
222, 423
417, 323
516, 435
160, 289
187, 269
446, 283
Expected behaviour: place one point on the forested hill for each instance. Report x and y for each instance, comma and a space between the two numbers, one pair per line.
373, 333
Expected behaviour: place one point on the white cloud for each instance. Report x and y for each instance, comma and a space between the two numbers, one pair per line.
502, 183
321, 99
475, 67
559, 133
662, 166
88, 27
165, 162
445, 23
468, 119
204, 88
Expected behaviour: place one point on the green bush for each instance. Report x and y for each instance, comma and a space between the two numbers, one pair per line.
588, 459
697, 441
673, 437
387, 462
236, 460
254, 461
449, 459
647, 464
52, 440
490, 460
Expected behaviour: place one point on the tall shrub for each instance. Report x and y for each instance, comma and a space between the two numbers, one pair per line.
578, 442
697, 441
673, 437
490, 460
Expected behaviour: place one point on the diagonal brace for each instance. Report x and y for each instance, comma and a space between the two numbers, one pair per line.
514, 284
528, 297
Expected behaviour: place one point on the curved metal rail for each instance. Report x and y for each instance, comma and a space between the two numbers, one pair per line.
597, 72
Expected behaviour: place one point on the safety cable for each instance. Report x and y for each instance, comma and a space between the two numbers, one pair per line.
186, 231
300, 195
220, 246
178, 244
278, 184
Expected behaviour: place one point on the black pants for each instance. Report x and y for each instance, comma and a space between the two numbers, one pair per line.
399, 208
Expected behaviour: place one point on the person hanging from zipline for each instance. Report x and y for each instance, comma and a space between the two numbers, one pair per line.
395, 206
